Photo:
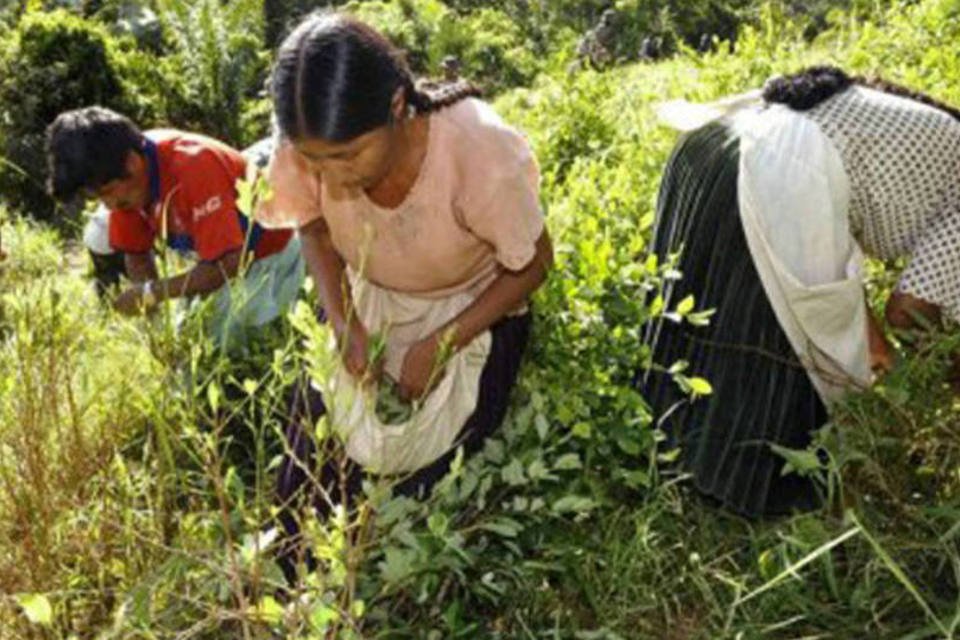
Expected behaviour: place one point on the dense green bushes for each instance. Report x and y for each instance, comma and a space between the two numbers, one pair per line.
491, 46
54, 62
208, 77
203, 65
215, 68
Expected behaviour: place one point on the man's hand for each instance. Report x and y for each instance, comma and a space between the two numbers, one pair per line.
131, 302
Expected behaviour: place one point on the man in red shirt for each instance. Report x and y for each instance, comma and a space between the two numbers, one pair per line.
178, 189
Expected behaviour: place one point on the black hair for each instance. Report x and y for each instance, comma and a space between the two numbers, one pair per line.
87, 148
335, 78
808, 88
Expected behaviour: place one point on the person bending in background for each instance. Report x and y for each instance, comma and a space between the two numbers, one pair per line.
772, 207
178, 188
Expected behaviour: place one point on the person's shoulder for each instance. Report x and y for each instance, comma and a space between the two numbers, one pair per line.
875, 99
475, 130
185, 144
473, 117
194, 154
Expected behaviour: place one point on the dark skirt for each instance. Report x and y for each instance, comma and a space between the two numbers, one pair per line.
761, 393
337, 480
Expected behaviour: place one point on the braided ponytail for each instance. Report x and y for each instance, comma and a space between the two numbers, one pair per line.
804, 90
428, 96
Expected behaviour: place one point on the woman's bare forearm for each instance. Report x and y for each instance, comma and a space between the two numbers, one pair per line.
507, 292
326, 268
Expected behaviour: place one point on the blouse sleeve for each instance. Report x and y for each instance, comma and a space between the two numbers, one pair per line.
499, 195
294, 197
933, 273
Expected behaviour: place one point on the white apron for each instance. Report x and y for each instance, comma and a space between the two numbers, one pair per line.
432, 429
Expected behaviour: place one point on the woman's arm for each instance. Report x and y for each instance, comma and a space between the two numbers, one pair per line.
326, 267
903, 310
505, 293
881, 355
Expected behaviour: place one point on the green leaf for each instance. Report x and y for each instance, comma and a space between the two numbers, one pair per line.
468, 483
539, 471
542, 426
700, 318
651, 264
506, 527
678, 367
437, 523
685, 306
568, 461
669, 456
637, 478
213, 396
357, 609
397, 564
628, 445
656, 306
700, 386
37, 608
582, 430
574, 504
513, 473
802, 461
268, 610
493, 451
323, 616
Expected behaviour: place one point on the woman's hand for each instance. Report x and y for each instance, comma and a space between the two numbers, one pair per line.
354, 342
881, 357
422, 368
881, 353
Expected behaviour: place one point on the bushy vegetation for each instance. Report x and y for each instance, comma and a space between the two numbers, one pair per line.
49, 63
136, 466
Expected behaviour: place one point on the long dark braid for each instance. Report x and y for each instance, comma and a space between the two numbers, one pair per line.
429, 96
808, 88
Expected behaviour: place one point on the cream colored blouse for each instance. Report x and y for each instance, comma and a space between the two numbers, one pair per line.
473, 209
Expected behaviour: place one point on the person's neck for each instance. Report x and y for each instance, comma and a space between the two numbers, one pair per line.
405, 168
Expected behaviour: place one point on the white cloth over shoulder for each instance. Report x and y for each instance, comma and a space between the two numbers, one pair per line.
96, 233
432, 429
683, 115
794, 195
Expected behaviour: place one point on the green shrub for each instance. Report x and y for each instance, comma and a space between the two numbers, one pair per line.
57, 61
215, 68
490, 45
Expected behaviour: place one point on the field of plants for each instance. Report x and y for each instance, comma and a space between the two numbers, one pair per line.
137, 465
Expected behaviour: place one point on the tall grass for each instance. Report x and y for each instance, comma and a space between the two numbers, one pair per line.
137, 465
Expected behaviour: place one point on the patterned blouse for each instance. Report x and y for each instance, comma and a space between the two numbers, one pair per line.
903, 161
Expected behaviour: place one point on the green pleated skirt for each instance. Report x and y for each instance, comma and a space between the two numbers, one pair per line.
761, 393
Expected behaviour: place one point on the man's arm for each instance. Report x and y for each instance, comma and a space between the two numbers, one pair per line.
203, 279
140, 266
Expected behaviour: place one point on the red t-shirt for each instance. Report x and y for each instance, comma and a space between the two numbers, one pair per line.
193, 188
